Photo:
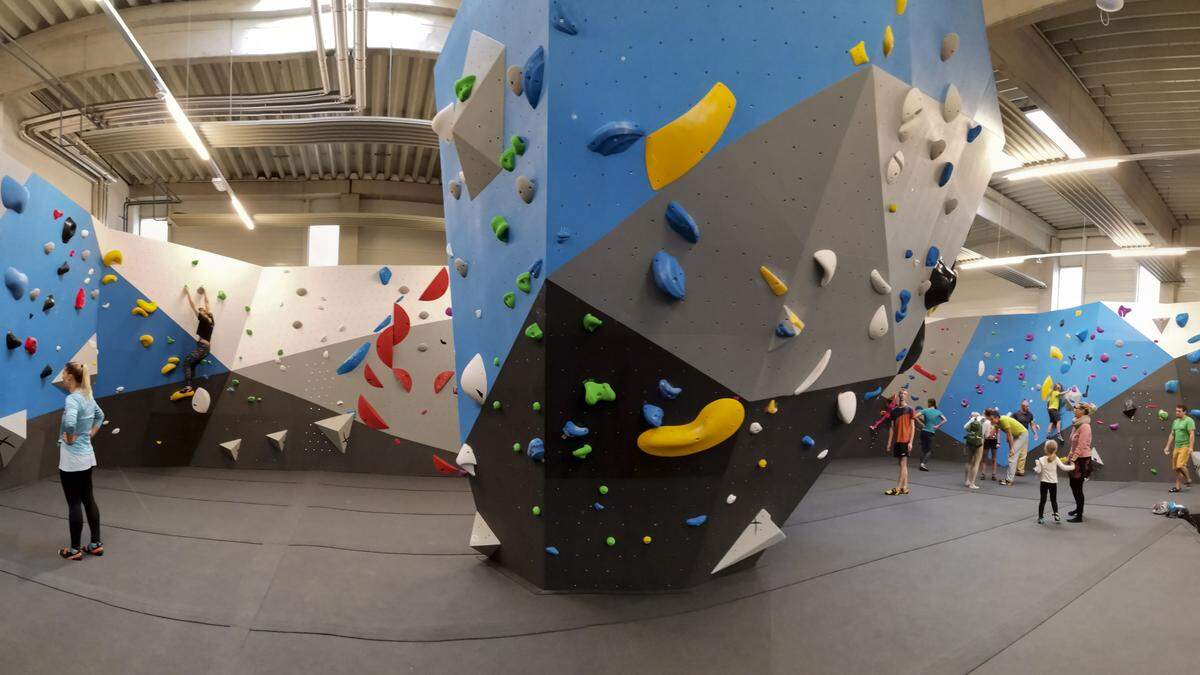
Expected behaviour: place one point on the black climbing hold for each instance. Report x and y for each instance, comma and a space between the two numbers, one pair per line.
942, 281
64, 268
68, 230
532, 75
12, 341
46, 371
48, 304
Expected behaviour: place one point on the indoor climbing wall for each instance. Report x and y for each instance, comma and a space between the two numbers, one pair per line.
686, 243
343, 368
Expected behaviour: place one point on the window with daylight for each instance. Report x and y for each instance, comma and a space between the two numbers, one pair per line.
1068, 287
1148, 287
153, 228
323, 245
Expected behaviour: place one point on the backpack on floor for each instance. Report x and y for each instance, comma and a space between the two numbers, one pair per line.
974, 437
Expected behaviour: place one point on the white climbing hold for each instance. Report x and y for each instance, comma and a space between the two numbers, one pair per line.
827, 260
474, 379
232, 447
981, 368
816, 372
755, 427
895, 167
880, 284
201, 400
847, 406
879, 324
479, 314
823, 454
466, 459
952, 106
337, 429
325, 354
482, 538
925, 286
277, 439
936, 147
909, 129
116, 431
949, 45
759, 535
731, 499
443, 122
455, 188
914, 103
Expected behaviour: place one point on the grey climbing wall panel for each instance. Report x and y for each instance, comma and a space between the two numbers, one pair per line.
945, 340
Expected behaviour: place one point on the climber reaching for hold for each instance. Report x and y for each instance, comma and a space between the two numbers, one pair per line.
204, 331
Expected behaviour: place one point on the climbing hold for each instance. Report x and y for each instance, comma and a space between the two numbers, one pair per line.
696, 521
1082, 335
12, 341
439, 382
48, 304
535, 449
297, 324
515, 78
973, 132
952, 105
667, 391
371, 378
572, 430
895, 167
1047, 387
879, 324
463, 87
166, 370
31, 345
1181, 319
15, 280
773, 282
466, 459
146, 340
48, 247
500, 228
827, 261
474, 379
908, 254
892, 208
668, 275
1163, 415
552, 550
913, 105
523, 282
560, 21
772, 408
847, 406
874, 393
531, 76
652, 414
337, 429
682, 222
889, 41
947, 172
113, 257
369, 416
716, 422
807, 441
525, 189
858, 54
594, 392
936, 148
461, 267
533, 332
64, 268
755, 428
1104, 358
1056, 353
80, 299
591, 322
355, 358
13, 195
508, 159
510, 300
949, 206
880, 284
437, 287
791, 326
582, 451
455, 189
615, 137
817, 371
681, 144
949, 47
901, 5
221, 295
385, 275
403, 377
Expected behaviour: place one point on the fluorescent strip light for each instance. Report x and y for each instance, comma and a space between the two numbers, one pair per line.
241, 211
1062, 167
984, 263
185, 126
1047, 126
1149, 252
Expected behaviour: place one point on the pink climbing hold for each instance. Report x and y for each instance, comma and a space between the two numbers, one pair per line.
1104, 358
1029, 337
1113, 378
1123, 310
80, 299
964, 403
1114, 426
57, 214
437, 287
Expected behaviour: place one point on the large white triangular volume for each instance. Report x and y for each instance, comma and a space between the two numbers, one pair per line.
879, 324
337, 429
277, 439
847, 406
827, 260
914, 103
482, 538
952, 105
232, 447
761, 534
816, 372
88, 355
466, 459
13, 432
474, 379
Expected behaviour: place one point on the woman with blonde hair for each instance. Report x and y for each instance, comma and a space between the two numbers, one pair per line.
1080, 456
81, 420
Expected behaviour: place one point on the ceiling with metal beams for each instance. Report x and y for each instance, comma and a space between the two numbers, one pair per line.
22, 17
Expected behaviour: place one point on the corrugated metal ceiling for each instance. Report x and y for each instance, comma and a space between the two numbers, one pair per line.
22, 17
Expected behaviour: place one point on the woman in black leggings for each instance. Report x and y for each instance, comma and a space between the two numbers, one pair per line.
81, 420
204, 330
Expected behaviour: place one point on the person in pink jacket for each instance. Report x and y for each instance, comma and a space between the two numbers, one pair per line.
1080, 455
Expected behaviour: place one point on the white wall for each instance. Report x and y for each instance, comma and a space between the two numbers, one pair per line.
271, 246
980, 292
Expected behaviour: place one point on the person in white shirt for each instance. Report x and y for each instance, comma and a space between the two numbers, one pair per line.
977, 429
1048, 467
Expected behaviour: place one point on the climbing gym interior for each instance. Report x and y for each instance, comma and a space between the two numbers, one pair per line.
565, 336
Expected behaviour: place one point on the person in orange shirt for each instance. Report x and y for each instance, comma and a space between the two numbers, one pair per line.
900, 439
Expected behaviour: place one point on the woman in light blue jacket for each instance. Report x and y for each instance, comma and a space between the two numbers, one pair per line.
81, 420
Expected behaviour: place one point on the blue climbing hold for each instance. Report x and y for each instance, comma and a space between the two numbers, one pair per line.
668, 275
682, 222
1181, 319
559, 19
14, 195
597, 506
874, 393
667, 391
1194, 339
901, 354
1082, 335
552, 550
932, 256
573, 430
908, 254
1171, 386
615, 137
562, 235
387, 321
15, 280
973, 132
808, 441
535, 270
696, 521
354, 359
653, 415
786, 329
906, 296
1064, 368
535, 65
536, 449
1194, 357
385, 275
947, 172
901, 315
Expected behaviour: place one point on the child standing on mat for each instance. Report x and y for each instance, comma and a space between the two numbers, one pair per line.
1179, 447
900, 440
1048, 466
80, 421
204, 329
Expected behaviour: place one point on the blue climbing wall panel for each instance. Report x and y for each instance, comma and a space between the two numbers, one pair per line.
1020, 344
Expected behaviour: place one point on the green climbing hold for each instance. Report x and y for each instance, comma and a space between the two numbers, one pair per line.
517, 144
508, 159
523, 282
537, 510
235, 382
582, 452
499, 228
536, 406
603, 489
611, 541
510, 299
495, 405
594, 392
195, 262
463, 87
516, 447
591, 322
247, 309
278, 352
495, 360
1153, 472
534, 331
221, 295
249, 332
170, 340
249, 399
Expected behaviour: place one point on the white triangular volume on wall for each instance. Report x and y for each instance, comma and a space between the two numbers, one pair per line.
277, 439
482, 538
759, 535
13, 433
232, 447
88, 355
337, 429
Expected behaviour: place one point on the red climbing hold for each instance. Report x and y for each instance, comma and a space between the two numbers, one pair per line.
80, 299
926, 373
371, 378
443, 466
383, 346
31, 344
437, 287
440, 381
400, 324
57, 214
403, 378
368, 415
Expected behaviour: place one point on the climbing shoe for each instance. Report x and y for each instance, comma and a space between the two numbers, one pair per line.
71, 553
892, 492
186, 392
95, 548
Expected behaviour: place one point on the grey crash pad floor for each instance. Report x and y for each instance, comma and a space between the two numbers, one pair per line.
287, 572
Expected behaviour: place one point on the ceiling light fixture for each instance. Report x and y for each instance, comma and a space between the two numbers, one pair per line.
1047, 126
1152, 252
984, 263
1058, 168
241, 211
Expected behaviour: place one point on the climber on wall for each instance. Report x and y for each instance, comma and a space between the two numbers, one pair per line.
204, 331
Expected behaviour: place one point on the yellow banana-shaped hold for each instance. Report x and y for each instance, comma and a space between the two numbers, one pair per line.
108, 279
146, 340
889, 41
677, 147
166, 370
773, 282
113, 257
147, 306
1047, 386
1056, 353
716, 422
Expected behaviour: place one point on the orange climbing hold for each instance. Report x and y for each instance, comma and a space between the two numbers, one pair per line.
403, 378
437, 287
371, 378
369, 417
440, 381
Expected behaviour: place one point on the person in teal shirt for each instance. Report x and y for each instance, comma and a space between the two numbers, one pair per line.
932, 419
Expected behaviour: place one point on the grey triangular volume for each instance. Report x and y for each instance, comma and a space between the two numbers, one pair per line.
232, 447
12, 436
759, 535
482, 538
337, 429
277, 439
1162, 323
